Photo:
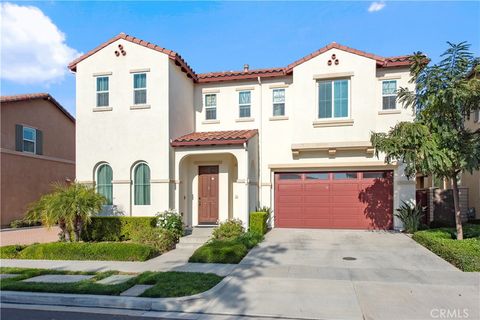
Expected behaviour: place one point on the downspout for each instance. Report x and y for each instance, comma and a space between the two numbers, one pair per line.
260, 145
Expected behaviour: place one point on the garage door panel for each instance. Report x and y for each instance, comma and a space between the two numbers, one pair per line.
316, 187
311, 212
338, 202
344, 186
319, 199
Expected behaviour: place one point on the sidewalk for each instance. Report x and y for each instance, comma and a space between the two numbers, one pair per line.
170, 261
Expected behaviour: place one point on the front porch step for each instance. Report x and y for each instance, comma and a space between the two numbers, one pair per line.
195, 237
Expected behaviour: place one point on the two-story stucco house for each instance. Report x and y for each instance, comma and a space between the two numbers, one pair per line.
152, 135
37, 150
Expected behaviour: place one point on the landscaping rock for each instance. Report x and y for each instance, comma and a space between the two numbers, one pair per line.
8, 275
136, 290
116, 279
59, 278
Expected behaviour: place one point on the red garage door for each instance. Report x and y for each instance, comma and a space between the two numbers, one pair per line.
348, 200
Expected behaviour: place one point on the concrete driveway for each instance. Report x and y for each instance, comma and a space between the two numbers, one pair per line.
343, 274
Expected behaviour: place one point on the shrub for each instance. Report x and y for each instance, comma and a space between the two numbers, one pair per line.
88, 251
250, 239
161, 239
172, 221
228, 230
10, 252
258, 222
464, 254
20, 223
117, 228
220, 251
410, 215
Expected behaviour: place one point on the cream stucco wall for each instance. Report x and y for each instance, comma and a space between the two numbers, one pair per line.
123, 136
276, 135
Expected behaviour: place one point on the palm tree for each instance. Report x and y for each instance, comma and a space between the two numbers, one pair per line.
70, 206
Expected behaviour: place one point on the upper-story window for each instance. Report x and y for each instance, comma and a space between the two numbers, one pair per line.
389, 94
102, 92
244, 103
333, 99
29, 140
140, 88
278, 102
211, 106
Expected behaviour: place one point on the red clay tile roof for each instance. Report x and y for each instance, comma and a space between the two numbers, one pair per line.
382, 62
214, 138
33, 96
171, 54
240, 75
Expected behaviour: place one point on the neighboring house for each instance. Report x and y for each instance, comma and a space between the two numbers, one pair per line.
38, 149
153, 135
472, 180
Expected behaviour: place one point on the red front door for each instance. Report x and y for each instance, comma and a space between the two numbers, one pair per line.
348, 200
207, 194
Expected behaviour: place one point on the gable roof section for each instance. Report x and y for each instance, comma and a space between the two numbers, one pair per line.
34, 96
171, 54
211, 138
382, 62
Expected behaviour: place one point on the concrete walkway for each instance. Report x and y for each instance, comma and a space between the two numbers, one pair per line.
303, 274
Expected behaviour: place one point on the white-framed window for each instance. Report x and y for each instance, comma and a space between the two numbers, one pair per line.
29, 140
278, 96
476, 116
102, 92
139, 88
244, 103
210, 106
389, 94
333, 98
104, 182
141, 184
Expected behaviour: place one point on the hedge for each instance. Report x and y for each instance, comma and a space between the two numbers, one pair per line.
226, 251
117, 228
220, 251
464, 254
258, 222
112, 251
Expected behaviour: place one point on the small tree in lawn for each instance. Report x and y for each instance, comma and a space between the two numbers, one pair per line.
437, 142
70, 206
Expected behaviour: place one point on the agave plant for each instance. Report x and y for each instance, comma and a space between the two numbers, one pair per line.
410, 215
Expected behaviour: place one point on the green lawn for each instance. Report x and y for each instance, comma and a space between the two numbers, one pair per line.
112, 251
464, 254
226, 251
177, 284
166, 284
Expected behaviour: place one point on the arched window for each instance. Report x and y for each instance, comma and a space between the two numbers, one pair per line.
141, 176
104, 182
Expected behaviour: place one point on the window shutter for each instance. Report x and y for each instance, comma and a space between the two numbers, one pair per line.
18, 137
39, 142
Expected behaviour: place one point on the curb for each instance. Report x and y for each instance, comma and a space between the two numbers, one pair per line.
103, 301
